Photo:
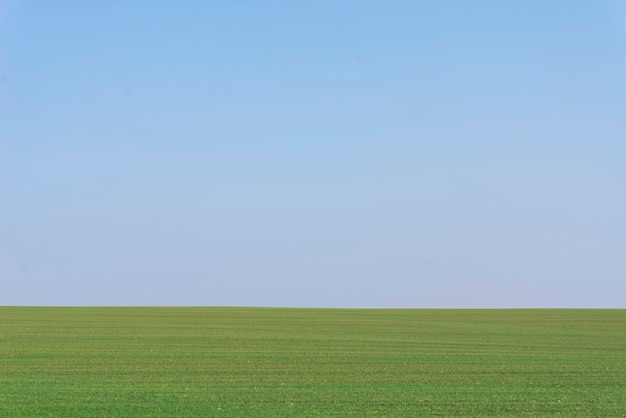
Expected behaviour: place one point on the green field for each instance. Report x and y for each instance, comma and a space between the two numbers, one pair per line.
303, 362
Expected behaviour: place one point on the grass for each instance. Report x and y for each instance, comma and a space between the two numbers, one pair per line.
306, 362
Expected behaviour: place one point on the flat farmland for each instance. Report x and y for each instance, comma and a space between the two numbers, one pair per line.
311, 362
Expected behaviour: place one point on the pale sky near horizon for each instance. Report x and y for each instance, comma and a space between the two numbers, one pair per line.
313, 153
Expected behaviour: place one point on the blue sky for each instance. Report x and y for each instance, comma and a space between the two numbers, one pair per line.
313, 153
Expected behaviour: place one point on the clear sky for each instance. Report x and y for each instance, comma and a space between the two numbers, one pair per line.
318, 153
